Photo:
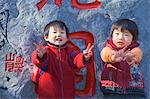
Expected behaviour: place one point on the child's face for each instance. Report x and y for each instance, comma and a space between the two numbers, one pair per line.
121, 39
57, 36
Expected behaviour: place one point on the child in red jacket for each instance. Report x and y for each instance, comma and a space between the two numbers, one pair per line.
57, 59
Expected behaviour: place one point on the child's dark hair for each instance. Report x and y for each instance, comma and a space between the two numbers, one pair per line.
56, 23
126, 24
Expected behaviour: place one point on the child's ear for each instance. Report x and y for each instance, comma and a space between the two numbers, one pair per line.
46, 38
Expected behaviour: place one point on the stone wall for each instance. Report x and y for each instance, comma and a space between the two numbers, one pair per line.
22, 24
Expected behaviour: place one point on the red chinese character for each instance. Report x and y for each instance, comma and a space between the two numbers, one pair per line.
41, 4
18, 64
74, 3
58, 2
87, 6
9, 66
14, 63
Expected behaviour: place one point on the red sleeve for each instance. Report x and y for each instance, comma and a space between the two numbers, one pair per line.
77, 57
37, 61
79, 60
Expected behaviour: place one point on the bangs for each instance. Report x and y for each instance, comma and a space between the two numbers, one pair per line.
59, 26
125, 26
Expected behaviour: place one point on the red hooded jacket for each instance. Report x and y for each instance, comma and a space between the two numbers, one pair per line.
58, 79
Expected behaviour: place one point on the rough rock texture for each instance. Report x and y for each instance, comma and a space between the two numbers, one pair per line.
21, 25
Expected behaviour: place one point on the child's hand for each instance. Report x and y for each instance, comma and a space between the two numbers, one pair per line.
130, 57
118, 55
88, 52
40, 50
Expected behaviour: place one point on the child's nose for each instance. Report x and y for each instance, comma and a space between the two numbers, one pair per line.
120, 36
58, 33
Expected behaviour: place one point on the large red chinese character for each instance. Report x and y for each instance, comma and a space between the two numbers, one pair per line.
41, 4
74, 3
58, 2
87, 6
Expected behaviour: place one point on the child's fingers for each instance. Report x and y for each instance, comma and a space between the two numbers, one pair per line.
118, 59
90, 49
87, 56
129, 54
87, 49
126, 52
40, 51
85, 52
124, 58
122, 51
37, 46
90, 54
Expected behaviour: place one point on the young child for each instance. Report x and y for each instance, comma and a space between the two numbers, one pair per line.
119, 55
59, 59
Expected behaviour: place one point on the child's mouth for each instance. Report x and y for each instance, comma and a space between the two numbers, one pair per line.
120, 43
58, 39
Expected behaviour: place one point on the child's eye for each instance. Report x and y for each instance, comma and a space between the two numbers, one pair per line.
54, 32
117, 33
126, 34
62, 32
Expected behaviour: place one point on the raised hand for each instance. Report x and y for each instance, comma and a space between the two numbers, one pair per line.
40, 50
118, 55
88, 52
130, 57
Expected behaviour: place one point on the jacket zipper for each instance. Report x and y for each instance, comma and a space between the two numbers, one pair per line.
61, 71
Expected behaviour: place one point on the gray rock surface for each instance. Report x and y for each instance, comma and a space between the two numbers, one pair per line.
21, 25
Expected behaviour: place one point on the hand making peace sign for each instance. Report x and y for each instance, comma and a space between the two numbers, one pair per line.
88, 52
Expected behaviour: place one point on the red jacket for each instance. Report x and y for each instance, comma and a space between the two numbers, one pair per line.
58, 78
